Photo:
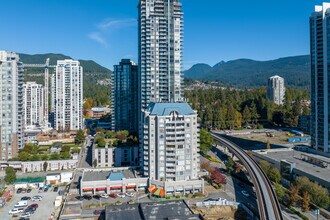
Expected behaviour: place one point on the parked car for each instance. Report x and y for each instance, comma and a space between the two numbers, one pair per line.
121, 195
16, 210
24, 218
35, 205
105, 196
55, 188
113, 196
96, 196
19, 190
31, 211
26, 215
130, 194
40, 190
23, 191
21, 204
28, 190
36, 198
245, 193
25, 198
80, 198
87, 197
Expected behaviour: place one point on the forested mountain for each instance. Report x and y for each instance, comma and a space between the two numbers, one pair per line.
93, 74
250, 73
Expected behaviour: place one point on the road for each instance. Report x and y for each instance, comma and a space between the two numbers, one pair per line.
268, 205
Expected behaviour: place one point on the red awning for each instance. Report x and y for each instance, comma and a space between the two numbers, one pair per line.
116, 187
101, 188
131, 187
88, 189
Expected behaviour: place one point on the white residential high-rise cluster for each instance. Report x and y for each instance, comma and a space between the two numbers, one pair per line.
33, 104
320, 47
170, 142
11, 105
168, 128
160, 51
67, 92
276, 89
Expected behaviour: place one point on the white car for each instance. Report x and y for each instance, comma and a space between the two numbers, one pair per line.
121, 195
26, 215
245, 193
130, 194
105, 196
16, 210
36, 198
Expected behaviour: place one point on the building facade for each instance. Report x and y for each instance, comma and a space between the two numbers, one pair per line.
170, 142
125, 97
160, 52
115, 156
320, 80
11, 105
68, 94
33, 104
276, 89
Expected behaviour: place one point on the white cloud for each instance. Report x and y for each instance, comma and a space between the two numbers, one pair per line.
97, 36
115, 23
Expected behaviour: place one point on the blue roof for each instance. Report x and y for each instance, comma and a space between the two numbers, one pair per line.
116, 176
163, 109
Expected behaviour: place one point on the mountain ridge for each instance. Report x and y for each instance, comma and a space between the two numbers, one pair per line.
252, 73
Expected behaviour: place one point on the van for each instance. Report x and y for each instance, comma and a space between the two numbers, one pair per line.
20, 204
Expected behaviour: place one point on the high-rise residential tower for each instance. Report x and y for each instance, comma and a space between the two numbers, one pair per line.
33, 104
125, 97
276, 89
171, 148
320, 80
68, 94
11, 105
160, 51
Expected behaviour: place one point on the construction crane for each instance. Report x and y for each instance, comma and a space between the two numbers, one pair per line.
46, 87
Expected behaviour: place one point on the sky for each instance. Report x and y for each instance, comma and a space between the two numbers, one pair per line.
106, 30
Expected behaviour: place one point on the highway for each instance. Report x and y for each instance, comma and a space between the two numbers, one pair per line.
268, 204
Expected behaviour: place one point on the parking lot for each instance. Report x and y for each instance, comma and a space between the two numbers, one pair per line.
44, 211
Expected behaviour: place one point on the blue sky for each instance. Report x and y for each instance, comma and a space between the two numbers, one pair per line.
106, 30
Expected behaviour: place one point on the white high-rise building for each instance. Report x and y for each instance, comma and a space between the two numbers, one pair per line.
11, 105
170, 143
68, 94
160, 52
276, 89
320, 80
33, 104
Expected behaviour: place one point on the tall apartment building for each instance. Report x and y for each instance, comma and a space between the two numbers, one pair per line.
171, 142
11, 104
276, 89
68, 94
33, 104
320, 80
125, 97
160, 51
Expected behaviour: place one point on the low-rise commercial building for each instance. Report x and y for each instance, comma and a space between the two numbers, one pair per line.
39, 166
98, 181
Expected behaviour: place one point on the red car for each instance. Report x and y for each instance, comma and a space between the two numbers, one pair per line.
113, 196
34, 205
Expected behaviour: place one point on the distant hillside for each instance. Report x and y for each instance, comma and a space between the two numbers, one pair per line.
93, 73
250, 73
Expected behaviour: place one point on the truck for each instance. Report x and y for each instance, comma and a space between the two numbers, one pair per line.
21, 204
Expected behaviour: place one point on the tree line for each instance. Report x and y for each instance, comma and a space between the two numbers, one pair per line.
235, 109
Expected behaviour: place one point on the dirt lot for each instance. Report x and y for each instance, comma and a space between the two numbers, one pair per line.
220, 212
